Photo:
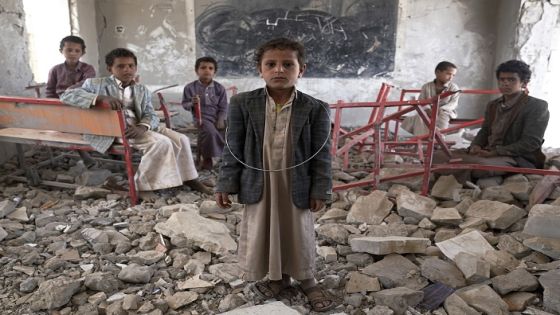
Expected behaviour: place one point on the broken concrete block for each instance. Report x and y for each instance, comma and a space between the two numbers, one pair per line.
85, 192
513, 246
517, 280
449, 216
413, 205
543, 221
483, 299
396, 271
446, 187
93, 177
547, 246
389, 245
501, 262
550, 281
274, 308
472, 243
474, 223
454, 304
398, 299
518, 301
519, 186
437, 270
328, 253
205, 233
474, 268
498, 215
3, 234
370, 209
489, 181
333, 232
497, 193
333, 214
362, 283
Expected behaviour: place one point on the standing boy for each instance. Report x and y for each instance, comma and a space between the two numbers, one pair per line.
166, 155
72, 72
279, 165
210, 96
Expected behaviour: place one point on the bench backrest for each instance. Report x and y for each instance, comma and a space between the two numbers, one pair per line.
51, 114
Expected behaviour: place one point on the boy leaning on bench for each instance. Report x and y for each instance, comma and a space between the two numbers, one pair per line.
167, 159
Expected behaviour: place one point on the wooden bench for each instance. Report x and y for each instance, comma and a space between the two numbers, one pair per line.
49, 122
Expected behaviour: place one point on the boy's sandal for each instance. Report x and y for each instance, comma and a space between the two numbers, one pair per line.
320, 299
266, 290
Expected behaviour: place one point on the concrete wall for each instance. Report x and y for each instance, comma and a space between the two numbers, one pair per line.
83, 23
461, 31
15, 73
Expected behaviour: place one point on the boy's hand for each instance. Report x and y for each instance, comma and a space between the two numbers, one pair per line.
316, 205
114, 102
220, 124
133, 132
487, 153
196, 100
474, 149
222, 200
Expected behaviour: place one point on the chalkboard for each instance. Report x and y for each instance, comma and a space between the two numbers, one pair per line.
344, 39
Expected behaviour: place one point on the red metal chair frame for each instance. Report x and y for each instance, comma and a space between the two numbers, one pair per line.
381, 140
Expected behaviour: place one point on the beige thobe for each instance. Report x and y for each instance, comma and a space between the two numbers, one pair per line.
167, 160
277, 237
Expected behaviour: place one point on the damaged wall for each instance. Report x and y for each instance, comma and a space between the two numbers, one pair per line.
537, 43
15, 72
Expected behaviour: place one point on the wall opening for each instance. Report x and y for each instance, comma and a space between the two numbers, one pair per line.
47, 22
551, 83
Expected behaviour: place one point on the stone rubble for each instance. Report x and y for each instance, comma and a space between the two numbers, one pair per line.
87, 251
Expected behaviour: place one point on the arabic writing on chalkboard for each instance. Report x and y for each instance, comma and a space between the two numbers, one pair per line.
359, 42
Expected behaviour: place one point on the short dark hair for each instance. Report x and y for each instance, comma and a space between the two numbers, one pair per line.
118, 53
73, 39
206, 59
444, 65
281, 43
515, 66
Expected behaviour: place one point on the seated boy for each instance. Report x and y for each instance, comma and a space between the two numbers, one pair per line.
72, 72
211, 96
445, 71
166, 155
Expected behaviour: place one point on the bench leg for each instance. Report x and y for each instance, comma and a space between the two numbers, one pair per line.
130, 174
20, 158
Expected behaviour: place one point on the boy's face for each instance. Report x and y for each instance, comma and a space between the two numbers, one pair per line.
445, 76
280, 69
72, 52
510, 83
124, 69
206, 71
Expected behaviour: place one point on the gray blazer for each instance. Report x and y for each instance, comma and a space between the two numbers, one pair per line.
310, 123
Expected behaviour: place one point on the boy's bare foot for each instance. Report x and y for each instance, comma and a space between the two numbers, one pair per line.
195, 184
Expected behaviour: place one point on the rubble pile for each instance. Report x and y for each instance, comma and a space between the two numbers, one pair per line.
478, 250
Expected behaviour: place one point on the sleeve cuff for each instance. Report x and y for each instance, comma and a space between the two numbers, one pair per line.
147, 125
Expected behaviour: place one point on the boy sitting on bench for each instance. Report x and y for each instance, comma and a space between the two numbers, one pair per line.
166, 155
